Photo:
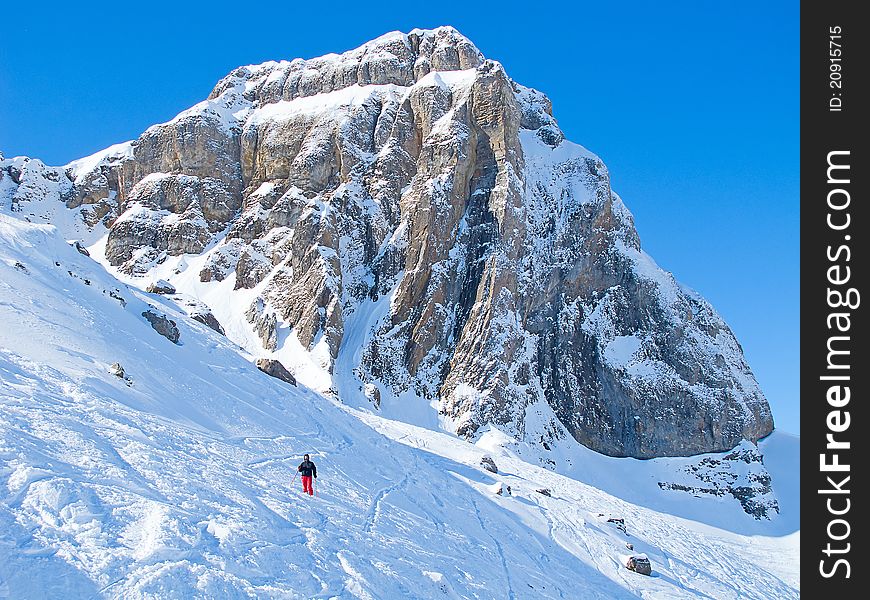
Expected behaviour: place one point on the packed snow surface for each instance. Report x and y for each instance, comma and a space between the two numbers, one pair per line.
177, 479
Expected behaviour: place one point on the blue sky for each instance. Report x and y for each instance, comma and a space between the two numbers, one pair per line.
693, 106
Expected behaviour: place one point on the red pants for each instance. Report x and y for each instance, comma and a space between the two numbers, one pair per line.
306, 485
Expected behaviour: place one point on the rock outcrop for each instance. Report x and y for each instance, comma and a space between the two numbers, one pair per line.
275, 369
739, 474
208, 319
118, 371
163, 325
488, 464
418, 222
80, 248
264, 323
161, 286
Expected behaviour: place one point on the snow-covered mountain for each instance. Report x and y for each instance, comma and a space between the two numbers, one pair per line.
408, 232
405, 227
132, 466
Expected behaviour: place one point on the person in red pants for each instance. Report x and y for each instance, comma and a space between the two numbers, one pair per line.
308, 470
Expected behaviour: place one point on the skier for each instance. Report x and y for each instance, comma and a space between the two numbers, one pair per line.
307, 468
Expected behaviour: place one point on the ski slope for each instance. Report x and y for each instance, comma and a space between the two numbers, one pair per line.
179, 482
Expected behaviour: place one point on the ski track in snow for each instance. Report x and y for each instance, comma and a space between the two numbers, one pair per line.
180, 485
504, 564
375, 508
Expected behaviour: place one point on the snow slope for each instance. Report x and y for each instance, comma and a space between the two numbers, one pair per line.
179, 483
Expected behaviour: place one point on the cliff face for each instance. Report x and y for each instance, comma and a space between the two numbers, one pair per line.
417, 222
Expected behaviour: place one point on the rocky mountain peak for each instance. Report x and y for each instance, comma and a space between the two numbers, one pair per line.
392, 59
404, 226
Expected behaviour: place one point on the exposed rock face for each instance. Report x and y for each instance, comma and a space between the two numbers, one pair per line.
163, 325
264, 323
275, 369
418, 222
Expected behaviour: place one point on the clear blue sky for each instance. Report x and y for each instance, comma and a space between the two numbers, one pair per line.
693, 105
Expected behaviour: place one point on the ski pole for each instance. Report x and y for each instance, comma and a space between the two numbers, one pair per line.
294, 478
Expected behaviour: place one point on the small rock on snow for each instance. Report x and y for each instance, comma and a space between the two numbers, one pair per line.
489, 464
501, 489
80, 247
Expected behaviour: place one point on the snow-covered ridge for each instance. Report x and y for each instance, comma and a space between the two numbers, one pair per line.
231, 109
77, 169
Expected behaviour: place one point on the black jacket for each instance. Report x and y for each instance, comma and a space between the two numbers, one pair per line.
307, 469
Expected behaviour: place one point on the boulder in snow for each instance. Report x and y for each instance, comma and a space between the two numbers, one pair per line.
373, 393
487, 463
274, 368
545, 491
118, 371
116, 294
163, 325
161, 286
639, 563
198, 311
500, 489
80, 247
207, 318
619, 523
